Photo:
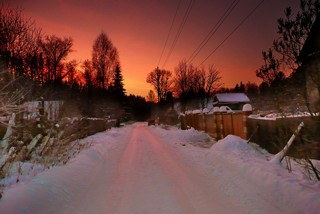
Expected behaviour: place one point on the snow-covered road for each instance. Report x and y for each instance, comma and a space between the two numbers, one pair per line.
141, 172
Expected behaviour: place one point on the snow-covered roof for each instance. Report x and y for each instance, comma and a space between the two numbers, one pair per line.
232, 98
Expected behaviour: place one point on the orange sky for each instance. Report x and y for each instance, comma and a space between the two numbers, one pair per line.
138, 28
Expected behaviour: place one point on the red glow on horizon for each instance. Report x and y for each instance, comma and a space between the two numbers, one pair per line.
139, 29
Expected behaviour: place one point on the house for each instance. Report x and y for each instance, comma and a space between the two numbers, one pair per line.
234, 100
309, 58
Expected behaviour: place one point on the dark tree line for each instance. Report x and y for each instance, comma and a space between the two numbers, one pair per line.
28, 53
187, 83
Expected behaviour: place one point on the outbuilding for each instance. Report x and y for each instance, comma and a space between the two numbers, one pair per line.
234, 100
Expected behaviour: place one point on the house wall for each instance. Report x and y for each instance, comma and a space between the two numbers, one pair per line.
312, 69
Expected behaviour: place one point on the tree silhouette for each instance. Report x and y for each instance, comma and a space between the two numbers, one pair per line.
191, 83
292, 33
117, 87
161, 81
151, 97
55, 52
270, 70
18, 41
104, 60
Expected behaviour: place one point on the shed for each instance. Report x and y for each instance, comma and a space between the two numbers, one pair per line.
234, 100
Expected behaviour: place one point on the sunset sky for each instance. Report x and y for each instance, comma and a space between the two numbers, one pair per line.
139, 28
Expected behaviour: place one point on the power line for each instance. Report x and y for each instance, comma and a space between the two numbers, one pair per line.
214, 30
184, 20
173, 20
232, 32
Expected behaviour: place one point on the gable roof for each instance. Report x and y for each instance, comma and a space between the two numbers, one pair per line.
312, 43
232, 98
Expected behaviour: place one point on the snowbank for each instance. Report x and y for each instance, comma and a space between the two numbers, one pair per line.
254, 165
25, 171
275, 116
191, 136
239, 170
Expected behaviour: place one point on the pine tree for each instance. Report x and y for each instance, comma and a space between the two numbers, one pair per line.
117, 88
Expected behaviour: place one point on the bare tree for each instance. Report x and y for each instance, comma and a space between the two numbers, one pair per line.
151, 97
18, 40
104, 60
71, 71
161, 81
192, 83
88, 74
184, 79
209, 81
55, 52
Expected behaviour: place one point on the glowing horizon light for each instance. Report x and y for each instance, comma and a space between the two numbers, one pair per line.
139, 29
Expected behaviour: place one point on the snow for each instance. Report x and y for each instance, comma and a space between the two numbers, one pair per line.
197, 111
181, 115
257, 171
162, 169
275, 116
232, 97
225, 109
22, 171
247, 107
205, 110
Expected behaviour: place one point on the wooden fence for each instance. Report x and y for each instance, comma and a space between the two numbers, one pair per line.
270, 134
273, 134
217, 124
50, 109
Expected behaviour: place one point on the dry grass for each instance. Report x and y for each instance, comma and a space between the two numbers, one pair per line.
56, 146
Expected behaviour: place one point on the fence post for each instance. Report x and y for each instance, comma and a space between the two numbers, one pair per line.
188, 119
195, 119
220, 131
201, 119
205, 113
183, 121
207, 122
246, 111
220, 127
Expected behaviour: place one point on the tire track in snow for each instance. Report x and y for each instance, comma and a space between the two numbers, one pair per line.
195, 193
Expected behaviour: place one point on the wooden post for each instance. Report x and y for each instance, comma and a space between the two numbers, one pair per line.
188, 118
210, 124
246, 111
195, 119
227, 123
201, 119
215, 126
220, 131
183, 121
